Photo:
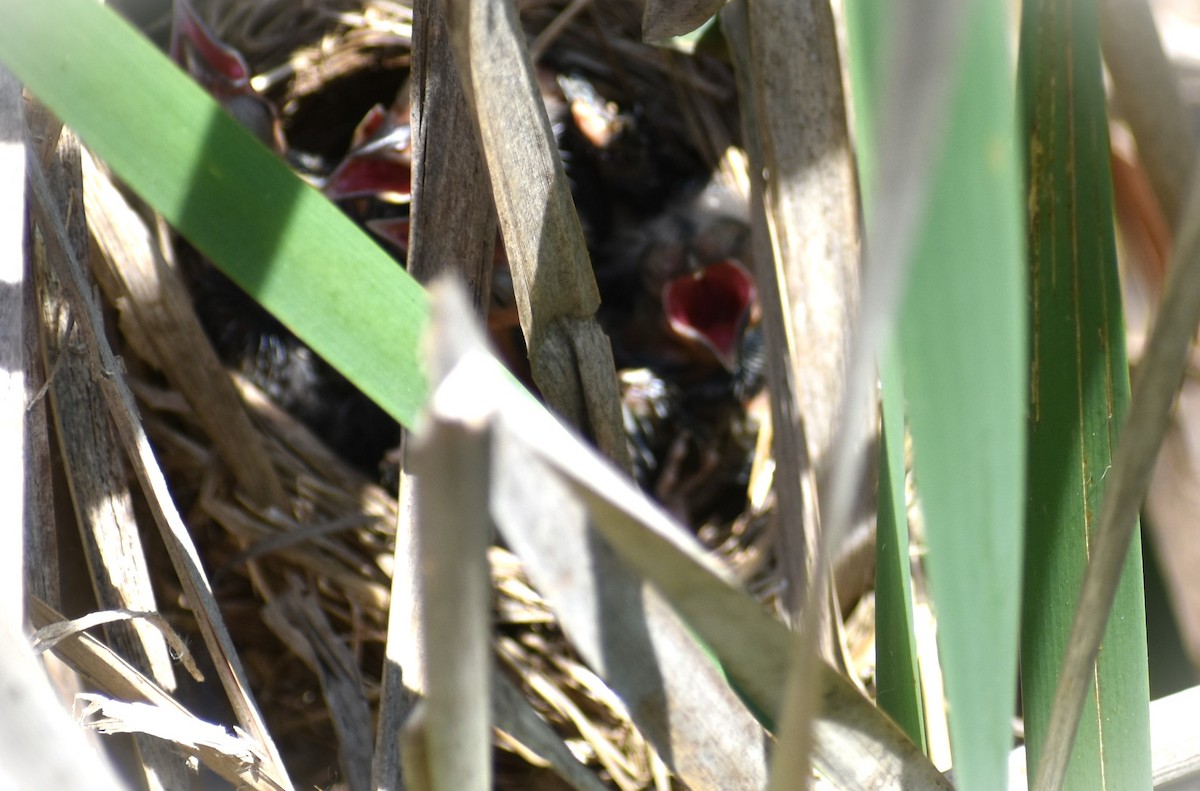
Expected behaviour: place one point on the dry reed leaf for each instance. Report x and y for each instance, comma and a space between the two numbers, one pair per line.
797, 507
450, 176
810, 198
42, 576
556, 292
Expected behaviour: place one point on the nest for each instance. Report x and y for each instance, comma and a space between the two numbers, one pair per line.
319, 569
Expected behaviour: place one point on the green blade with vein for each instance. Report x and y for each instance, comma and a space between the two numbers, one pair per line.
274, 235
1079, 395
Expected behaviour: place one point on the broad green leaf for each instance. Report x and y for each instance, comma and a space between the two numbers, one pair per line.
239, 204
1079, 393
963, 349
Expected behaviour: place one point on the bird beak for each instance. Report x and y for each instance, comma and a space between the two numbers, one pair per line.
712, 306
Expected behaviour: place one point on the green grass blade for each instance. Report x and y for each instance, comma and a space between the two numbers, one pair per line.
1080, 393
897, 679
964, 347
896, 676
275, 236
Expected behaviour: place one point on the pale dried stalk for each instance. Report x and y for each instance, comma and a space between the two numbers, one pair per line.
450, 190
452, 462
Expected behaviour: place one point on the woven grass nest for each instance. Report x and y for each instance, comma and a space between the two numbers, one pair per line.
305, 589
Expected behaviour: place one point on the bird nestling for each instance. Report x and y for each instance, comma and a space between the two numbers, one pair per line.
677, 295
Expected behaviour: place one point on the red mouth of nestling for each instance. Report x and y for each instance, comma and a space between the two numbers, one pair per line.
712, 306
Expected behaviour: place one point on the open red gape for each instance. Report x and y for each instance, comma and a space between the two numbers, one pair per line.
712, 306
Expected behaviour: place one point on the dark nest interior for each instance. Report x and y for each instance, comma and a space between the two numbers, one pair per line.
645, 133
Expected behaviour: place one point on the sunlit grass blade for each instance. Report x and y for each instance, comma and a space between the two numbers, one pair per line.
1079, 393
963, 349
238, 203
897, 679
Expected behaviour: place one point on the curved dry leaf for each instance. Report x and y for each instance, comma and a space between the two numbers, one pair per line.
666, 18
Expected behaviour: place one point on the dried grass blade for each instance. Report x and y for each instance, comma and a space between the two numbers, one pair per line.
110, 673
188, 733
556, 292
51, 635
124, 413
